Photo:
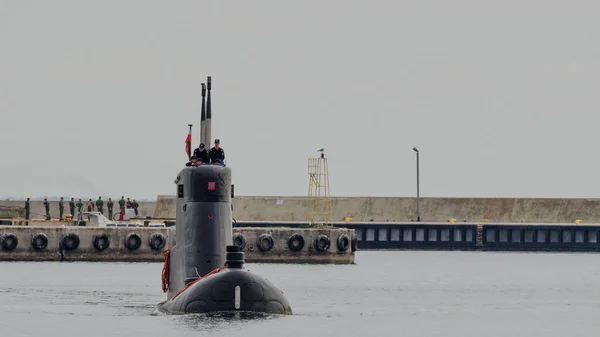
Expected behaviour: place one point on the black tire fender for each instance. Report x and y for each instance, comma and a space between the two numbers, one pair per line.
322, 243
157, 242
265, 242
296, 242
343, 242
133, 241
239, 240
354, 243
39, 241
101, 241
9, 241
70, 241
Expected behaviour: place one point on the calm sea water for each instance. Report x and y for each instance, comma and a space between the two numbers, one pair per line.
385, 293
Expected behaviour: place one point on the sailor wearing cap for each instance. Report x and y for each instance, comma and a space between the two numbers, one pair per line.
216, 154
201, 154
192, 161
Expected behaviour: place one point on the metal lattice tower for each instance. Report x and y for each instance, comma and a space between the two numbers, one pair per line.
319, 201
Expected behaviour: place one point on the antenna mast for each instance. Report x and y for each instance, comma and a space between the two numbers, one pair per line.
207, 137
203, 118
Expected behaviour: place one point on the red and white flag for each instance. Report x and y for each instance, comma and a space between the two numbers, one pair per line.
188, 144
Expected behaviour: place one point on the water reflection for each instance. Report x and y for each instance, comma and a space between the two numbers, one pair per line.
217, 320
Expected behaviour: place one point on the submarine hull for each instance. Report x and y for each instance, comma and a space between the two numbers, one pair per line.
230, 290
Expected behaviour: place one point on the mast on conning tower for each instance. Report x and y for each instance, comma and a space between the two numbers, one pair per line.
203, 116
208, 115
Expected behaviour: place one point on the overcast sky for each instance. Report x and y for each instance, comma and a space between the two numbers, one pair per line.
501, 97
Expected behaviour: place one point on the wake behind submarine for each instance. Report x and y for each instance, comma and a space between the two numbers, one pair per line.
204, 271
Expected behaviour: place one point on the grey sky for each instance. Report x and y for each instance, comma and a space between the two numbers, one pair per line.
501, 97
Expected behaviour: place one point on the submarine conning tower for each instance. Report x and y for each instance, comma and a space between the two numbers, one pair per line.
203, 224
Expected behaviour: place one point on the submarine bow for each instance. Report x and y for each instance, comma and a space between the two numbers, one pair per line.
230, 288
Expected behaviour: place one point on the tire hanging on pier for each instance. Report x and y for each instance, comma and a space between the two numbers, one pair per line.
296, 242
9, 241
39, 241
157, 242
101, 242
265, 242
70, 241
354, 242
322, 243
133, 241
239, 240
343, 243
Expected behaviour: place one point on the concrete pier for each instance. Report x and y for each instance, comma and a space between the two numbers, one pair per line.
335, 253
145, 244
85, 250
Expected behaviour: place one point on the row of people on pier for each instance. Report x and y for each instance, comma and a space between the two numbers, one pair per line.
89, 206
216, 155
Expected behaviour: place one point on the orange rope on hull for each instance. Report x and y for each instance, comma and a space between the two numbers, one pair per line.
166, 269
200, 279
165, 272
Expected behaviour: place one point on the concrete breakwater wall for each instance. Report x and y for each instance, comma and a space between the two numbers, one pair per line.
384, 209
145, 244
404, 209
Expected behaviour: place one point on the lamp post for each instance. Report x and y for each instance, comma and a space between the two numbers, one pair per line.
418, 198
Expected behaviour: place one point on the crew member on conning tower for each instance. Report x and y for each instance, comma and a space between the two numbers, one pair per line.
216, 154
192, 161
201, 155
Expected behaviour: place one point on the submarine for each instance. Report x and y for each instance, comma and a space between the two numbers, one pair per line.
204, 271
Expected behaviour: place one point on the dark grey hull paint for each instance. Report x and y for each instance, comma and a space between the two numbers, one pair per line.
204, 230
217, 293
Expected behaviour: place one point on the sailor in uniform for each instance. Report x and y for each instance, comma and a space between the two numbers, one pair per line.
216, 154
201, 155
